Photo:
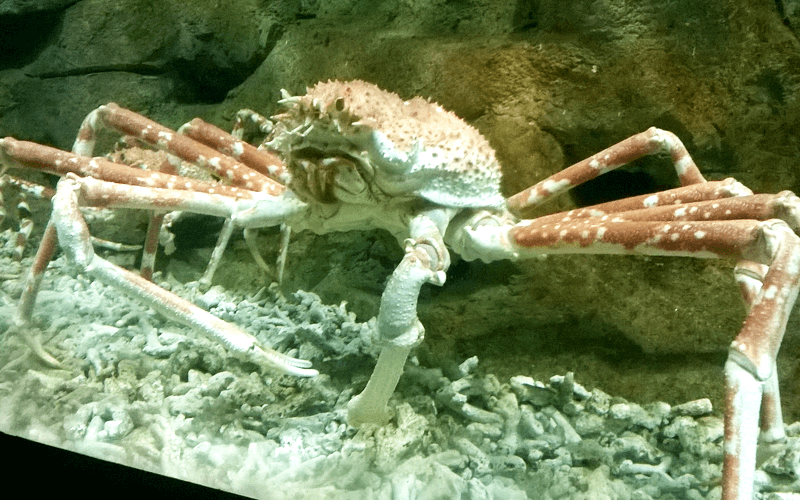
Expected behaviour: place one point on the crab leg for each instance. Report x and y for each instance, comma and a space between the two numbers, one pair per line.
150, 247
240, 163
750, 277
649, 142
25, 226
23, 210
758, 207
55, 161
425, 261
130, 123
33, 282
186, 148
750, 372
769, 276
68, 222
154, 227
216, 255
75, 241
259, 160
712, 190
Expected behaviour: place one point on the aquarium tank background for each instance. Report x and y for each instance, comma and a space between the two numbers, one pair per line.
569, 377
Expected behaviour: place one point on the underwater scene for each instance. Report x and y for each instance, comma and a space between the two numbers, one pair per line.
410, 249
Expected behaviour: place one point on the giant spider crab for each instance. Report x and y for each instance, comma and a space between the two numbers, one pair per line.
351, 156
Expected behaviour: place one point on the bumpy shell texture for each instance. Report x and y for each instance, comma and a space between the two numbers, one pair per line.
413, 148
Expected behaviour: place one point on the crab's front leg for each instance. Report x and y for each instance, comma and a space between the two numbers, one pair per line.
73, 235
426, 260
768, 274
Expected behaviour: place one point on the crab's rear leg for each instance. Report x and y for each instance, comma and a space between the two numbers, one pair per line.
24, 188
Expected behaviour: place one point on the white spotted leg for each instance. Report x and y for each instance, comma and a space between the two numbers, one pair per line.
769, 287
768, 249
260, 160
257, 159
240, 164
73, 235
652, 141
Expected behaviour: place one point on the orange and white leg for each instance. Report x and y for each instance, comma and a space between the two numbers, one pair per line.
24, 189
693, 193
198, 143
33, 282
259, 160
127, 122
651, 141
750, 277
750, 369
36, 156
73, 235
751, 373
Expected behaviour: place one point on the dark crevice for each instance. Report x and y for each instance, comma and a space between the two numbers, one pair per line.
615, 185
781, 10
24, 37
190, 86
786, 17
526, 16
139, 69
